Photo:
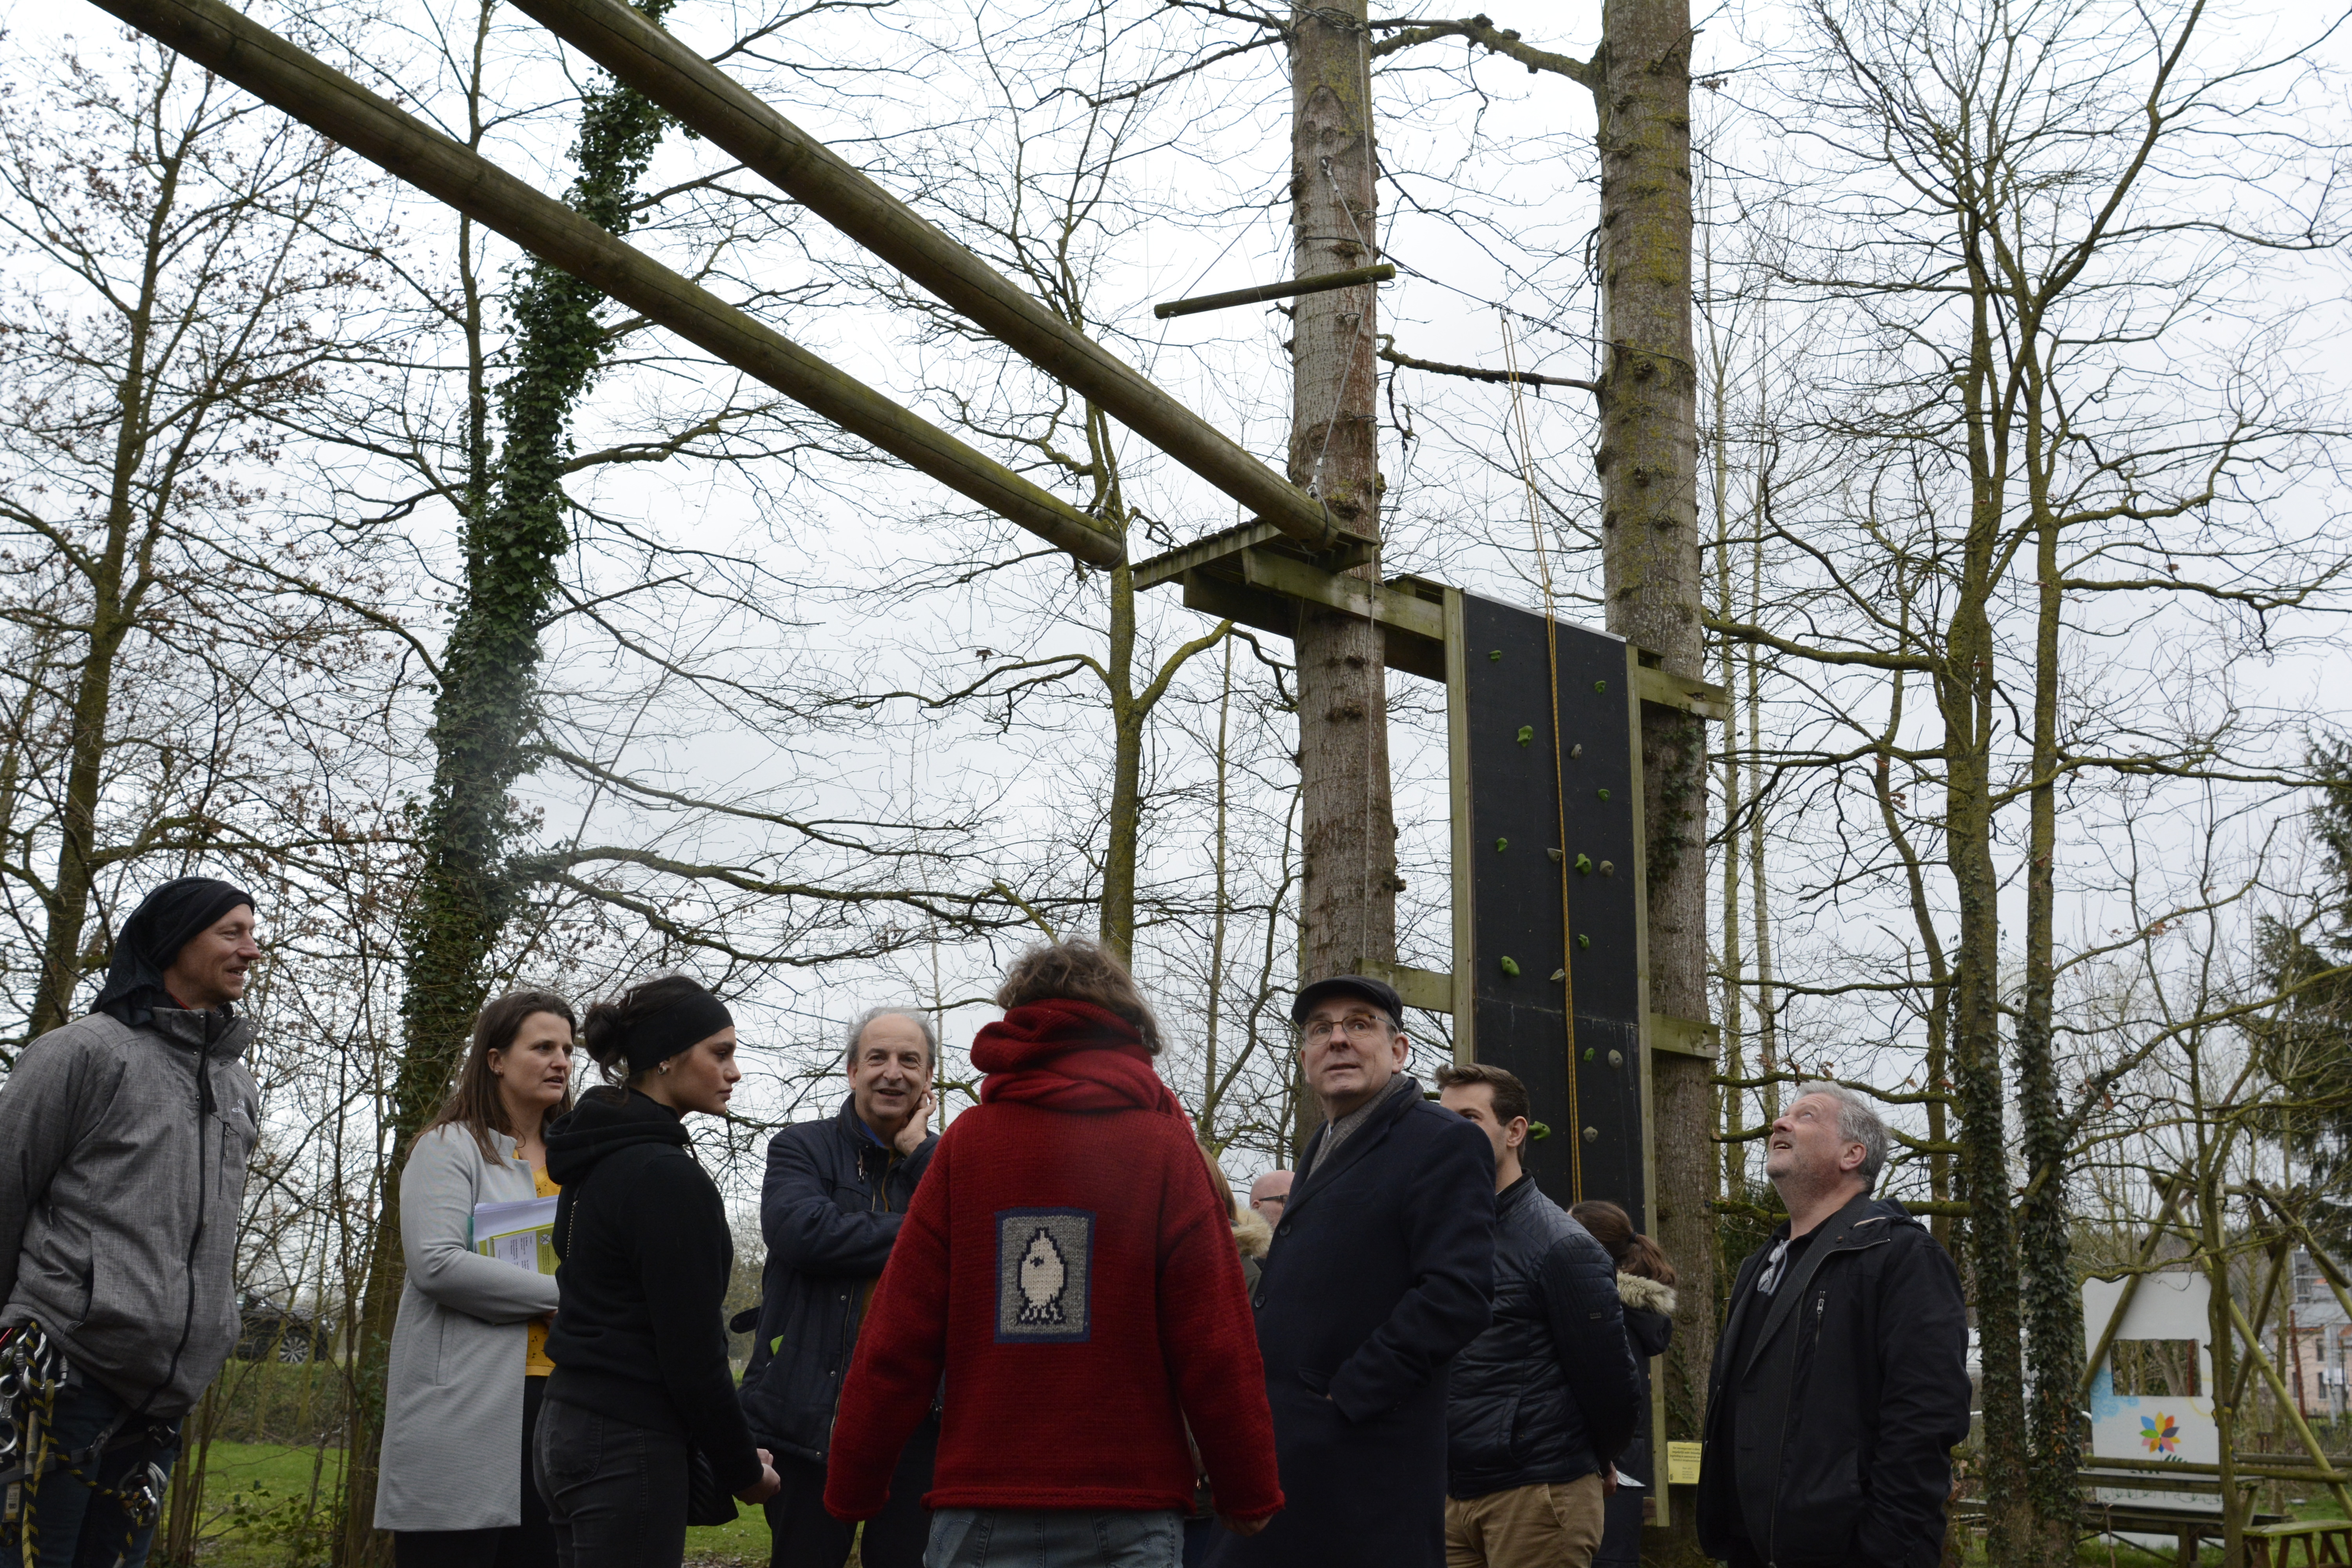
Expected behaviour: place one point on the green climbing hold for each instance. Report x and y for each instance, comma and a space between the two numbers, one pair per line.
1526, 734
1501, 845
1582, 940
1600, 686
1496, 654
1510, 967
1584, 864
1587, 1053
1604, 794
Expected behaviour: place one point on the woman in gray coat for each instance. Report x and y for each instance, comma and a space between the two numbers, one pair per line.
468, 1350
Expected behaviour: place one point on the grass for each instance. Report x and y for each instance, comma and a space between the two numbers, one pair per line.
261, 1511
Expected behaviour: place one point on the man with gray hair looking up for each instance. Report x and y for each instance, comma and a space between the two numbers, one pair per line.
830, 1208
1840, 1378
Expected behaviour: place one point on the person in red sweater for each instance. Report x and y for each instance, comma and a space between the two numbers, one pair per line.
1069, 1266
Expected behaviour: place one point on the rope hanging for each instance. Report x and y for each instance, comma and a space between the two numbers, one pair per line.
1559, 765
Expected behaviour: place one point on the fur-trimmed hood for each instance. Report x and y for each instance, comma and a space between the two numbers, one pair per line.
1251, 1233
1645, 1295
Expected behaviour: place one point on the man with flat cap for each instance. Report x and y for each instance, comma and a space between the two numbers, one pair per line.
1382, 1268
123, 1141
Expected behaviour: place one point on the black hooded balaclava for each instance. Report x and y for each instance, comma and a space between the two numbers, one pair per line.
166, 921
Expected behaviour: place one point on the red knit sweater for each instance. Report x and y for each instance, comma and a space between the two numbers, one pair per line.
1069, 1264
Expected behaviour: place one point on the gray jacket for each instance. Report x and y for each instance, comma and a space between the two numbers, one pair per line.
122, 1156
452, 1394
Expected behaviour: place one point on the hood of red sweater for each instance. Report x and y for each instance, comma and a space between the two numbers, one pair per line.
1067, 1054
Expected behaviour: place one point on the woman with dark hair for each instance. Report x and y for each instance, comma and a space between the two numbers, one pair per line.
468, 1350
1645, 1289
643, 1390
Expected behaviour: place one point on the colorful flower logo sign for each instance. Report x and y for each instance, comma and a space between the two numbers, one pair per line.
2160, 1435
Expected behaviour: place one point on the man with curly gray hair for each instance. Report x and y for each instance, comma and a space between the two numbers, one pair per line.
1840, 1382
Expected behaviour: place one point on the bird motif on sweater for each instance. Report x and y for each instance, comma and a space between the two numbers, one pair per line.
1043, 1277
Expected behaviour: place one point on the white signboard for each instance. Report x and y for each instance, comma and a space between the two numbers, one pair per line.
2171, 1305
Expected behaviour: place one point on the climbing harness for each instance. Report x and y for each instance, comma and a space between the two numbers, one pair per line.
32, 1369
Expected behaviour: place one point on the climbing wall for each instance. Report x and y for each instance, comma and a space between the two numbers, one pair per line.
1516, 873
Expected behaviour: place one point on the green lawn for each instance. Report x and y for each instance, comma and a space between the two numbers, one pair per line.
262, 1510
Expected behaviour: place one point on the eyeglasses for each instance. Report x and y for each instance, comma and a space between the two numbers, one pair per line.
1359, 1027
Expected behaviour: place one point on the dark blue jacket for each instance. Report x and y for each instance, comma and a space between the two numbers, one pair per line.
1840, 1446
829, 1209
1549, 1393
1379, 1274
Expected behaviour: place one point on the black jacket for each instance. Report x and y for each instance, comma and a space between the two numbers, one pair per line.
643, 1239
830, 1206
1379, 1274
1550, 1392
1849, 1407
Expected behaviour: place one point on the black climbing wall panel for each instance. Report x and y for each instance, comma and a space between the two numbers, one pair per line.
1513, 888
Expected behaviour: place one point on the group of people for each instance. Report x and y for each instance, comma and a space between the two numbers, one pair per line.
1047, 1336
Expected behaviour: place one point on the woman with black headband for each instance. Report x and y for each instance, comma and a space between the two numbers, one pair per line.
642, 1383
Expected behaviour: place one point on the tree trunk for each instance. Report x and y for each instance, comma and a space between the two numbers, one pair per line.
1964, 694
1127, 717
2053, 1313
1348, 902
1648, 460
484, 719
113, 603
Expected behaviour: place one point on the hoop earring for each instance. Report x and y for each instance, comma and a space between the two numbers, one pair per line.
665, 1067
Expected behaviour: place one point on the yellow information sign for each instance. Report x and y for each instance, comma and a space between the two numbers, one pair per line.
1682, 1464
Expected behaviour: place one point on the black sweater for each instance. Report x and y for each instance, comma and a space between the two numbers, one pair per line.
646, 1256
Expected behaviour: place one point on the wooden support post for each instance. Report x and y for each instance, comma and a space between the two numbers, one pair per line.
274, 71
1347, 813
722, 108
1322, 284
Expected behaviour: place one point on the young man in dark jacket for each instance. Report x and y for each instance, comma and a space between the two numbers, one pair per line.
124, 1143
1841, 1382
1548, 1394
1068, 1266
835, 1195
1381, 1272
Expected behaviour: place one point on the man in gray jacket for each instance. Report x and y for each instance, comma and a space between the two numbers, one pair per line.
124, 1142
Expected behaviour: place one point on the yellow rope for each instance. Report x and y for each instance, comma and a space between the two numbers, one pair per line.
1560, 767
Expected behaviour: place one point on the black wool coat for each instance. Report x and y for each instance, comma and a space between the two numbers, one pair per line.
1381, 1271
1848, 1406
830, 1208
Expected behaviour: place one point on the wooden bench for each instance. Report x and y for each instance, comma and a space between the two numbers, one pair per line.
2324, 1540
2191, 1527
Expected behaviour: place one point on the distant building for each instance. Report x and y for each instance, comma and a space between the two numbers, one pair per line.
2313, 1340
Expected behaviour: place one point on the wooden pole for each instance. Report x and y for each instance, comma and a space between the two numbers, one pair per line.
1347, 814
722, 108
313, 92
1265, 291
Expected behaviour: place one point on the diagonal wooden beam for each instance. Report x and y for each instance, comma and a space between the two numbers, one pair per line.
642, 55
329, 102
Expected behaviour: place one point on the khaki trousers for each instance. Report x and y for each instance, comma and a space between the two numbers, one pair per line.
1554, 1526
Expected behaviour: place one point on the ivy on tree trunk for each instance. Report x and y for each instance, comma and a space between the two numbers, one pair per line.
486, 716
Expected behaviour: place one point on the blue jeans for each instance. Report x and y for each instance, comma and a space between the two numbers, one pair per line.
1042, 1537
73, 1526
